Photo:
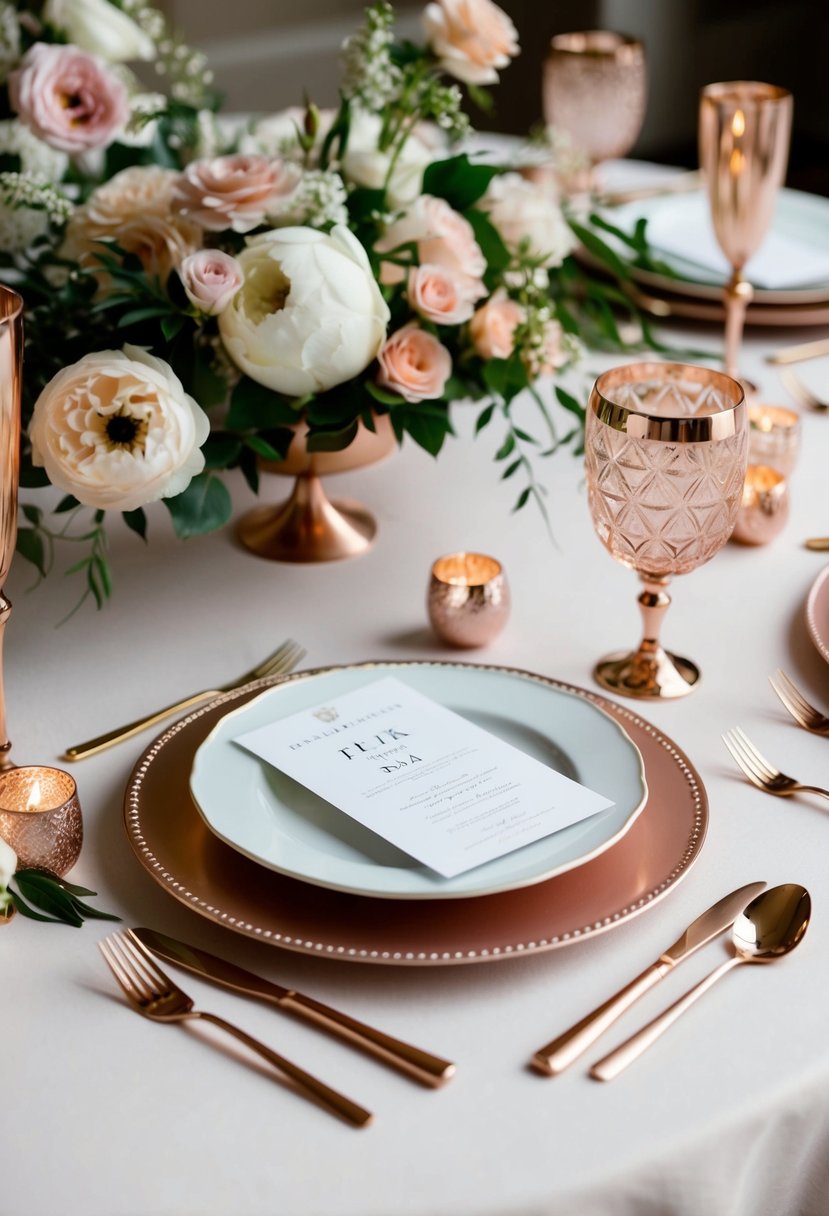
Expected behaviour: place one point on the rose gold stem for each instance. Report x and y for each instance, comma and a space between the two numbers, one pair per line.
738, 295
654, 602
6, 761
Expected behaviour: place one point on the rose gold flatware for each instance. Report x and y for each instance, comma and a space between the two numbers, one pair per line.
154, 995
772, 925
283, 660
421, 1065
802, 394
820, 544
761, 772
801, 352
557, 1055
805, 714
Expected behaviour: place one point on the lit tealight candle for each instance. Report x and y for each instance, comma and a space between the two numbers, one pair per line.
40, 817
468, 599
764, 507
774, 436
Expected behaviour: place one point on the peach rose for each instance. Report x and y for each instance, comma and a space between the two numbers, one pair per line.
493, 326
438, 295
133, 208
68, 98
471, 38
414, 364
443, 237
211, 279
233, 191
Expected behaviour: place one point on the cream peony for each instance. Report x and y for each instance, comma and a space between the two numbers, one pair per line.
101, 28
471, 38
8, 865
443, 237
117, 430
134, 209
528, 219
492, 329
366, 165
68, 98
211, 279
233, 191
309, 315
414, 364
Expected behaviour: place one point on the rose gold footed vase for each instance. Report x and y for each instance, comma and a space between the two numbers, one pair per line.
11, 364
308, 526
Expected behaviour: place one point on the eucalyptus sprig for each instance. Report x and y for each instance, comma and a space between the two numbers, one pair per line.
43, 895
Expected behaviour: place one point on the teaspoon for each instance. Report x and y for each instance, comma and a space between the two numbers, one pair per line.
770, 926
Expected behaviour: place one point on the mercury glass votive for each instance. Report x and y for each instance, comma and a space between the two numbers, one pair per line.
468, 599
773, 437
40, 817
764, 507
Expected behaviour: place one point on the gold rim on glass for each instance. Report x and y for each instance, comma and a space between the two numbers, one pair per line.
606, 404
602, 44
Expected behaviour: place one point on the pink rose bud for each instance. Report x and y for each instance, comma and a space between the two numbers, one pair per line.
414, 364
211, 279
439, 296
493, 326
68, 98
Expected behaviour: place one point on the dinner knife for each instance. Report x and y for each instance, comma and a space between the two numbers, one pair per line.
557, 1055
419, 1064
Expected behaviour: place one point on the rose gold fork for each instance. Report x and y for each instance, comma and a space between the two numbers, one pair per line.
152, 993
803, 713
760, 772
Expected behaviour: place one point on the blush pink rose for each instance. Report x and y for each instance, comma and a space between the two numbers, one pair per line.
68, 98
438, 295
493, 326
471, 38
233, 191
414, 364
211, 279
443, 238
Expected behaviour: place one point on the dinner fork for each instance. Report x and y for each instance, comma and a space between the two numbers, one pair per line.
801, 393
283, 660
154, 995
803, 713
760, 772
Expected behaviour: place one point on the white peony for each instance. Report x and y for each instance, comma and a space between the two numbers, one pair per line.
310, 314
117, 430
528, 219
366, 165
101, 28
278, 134
8, 865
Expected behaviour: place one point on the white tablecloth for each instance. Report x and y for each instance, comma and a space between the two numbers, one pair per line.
110, 1115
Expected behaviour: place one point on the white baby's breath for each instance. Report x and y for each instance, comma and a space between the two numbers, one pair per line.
369, 76
319, 200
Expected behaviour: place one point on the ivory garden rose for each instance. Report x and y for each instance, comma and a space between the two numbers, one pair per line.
211, 279
117, 430
528, 219
471, 38
101, 28
68, 98
309, 315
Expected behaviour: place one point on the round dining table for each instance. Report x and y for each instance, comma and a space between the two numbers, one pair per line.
110, 1114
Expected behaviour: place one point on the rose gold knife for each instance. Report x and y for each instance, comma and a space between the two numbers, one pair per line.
562, 1051
421, 1065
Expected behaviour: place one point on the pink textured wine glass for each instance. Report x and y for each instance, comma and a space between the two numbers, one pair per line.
666, 450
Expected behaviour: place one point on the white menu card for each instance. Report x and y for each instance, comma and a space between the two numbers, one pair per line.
448, 793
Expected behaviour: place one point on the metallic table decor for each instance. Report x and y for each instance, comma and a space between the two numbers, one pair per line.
40, 817
665, 450
764, 507
468, 599
773, 436
11, 359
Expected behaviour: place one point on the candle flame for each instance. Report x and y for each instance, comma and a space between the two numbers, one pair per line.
34, 797
736, 163
738, 124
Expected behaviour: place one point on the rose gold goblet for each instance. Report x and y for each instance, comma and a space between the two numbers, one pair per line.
11, 359
666, 448
594, 91
744, 130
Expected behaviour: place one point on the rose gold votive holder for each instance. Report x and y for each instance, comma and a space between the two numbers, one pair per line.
40, 817
773, 437
468, 599
764, 508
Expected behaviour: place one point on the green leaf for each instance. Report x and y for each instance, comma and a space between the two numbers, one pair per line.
382, 394
601, 250
484, 418
172, 325
136, 315
262, 448
570, 403
505, 377
523, 498
497, 255
203, 507
137, 521
427, 423
513, 468
458, 180
51, 893
481, 98
333, 440
507, 447
255, 408
24, 910
221, 451
67, 503
31, 547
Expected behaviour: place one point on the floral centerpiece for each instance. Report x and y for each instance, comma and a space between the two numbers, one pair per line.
195, 287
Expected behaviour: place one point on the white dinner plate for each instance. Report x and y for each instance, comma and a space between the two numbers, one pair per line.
278, 822
798, 217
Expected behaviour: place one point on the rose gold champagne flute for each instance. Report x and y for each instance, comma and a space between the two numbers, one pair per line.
595, 91
744, 130
11, 359
666, 447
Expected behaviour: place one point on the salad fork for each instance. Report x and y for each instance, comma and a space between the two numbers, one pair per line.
761, 772
283, 660
801, 393
804, 714
153, 994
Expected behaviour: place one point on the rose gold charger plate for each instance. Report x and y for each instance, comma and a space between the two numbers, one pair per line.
817, 613
173, 843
